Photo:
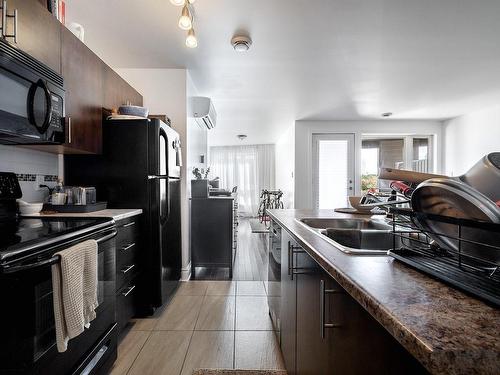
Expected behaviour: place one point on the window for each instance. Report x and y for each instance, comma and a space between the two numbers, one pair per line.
402, 152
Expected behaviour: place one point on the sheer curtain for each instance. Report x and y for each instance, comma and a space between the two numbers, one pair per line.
251, 168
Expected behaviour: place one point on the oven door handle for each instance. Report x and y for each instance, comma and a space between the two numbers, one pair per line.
53, 260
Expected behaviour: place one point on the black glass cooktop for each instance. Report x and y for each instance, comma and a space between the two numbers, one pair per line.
30, 231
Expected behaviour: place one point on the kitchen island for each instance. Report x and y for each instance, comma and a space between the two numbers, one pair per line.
447, 331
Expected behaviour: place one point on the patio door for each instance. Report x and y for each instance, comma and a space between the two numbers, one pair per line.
333, 170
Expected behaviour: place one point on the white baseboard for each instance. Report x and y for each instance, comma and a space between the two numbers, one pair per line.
186, 272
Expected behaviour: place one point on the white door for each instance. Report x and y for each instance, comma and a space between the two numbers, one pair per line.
333, 170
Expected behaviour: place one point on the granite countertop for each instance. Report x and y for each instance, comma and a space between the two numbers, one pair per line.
115, 213
446, 330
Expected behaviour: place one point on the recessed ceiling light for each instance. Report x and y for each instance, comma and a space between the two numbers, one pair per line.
241, 137
387, 114
241, 43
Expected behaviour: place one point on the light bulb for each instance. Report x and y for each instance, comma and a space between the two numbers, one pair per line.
191, 40
185, 22
178, 3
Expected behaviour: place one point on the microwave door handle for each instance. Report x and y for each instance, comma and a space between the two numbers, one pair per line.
48, 106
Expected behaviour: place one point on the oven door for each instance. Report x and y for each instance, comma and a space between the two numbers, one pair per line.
31, 104
28, 332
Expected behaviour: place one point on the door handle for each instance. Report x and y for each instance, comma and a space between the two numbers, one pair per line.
68, 122
5, 16
322, 295
292, 250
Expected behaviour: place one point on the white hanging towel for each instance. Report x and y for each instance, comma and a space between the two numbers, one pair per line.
74, 284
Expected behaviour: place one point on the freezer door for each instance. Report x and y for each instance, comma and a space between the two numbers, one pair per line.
164, 151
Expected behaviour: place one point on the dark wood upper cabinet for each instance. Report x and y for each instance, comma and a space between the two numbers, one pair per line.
38, 33
117, 91
83, 82
89, 83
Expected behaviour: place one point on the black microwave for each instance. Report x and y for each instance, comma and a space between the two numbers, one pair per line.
31, 100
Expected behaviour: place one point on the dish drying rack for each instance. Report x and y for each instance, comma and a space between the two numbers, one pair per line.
414, 246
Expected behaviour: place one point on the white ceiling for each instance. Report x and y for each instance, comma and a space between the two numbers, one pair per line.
311, 59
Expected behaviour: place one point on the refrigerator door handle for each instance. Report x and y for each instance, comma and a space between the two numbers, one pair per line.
168, 200
151, 177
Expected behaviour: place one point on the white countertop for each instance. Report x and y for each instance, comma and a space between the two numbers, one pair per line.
115, 213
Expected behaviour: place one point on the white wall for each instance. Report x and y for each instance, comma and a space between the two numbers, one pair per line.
166, 91
285, 165
468, 138
304, 131
29, 164
197, 135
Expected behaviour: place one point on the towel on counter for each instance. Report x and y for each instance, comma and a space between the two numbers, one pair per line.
74, 284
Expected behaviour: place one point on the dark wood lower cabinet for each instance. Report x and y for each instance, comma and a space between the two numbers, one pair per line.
288, 310
212, 233
313, 354
128, 270
326, 331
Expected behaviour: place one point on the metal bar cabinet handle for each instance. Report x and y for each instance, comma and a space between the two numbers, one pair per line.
322, 292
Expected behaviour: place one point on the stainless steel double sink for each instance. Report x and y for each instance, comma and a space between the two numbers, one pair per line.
357, 236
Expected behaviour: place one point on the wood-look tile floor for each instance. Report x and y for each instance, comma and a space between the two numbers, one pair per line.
208, 324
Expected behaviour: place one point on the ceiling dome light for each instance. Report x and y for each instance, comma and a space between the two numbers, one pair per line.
191, 40
241, 43
178, 3
185, 22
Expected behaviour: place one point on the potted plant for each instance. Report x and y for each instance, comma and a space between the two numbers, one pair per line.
199, 186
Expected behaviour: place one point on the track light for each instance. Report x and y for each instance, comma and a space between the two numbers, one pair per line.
178, 3
191, 40
185, 22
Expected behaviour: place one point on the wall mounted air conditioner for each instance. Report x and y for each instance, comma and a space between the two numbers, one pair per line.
204, 111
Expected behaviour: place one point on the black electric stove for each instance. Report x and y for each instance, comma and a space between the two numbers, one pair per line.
24, 236
27, 248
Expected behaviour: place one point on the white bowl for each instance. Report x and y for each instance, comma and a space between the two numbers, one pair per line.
355, 203
30, 208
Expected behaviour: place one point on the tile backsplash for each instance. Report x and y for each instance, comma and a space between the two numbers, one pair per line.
28, 164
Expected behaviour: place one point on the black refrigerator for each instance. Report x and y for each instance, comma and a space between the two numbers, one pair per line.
140, 167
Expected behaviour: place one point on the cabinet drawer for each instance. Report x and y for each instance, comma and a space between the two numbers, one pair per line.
126, 303
127, 254
126, 273
128, 232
